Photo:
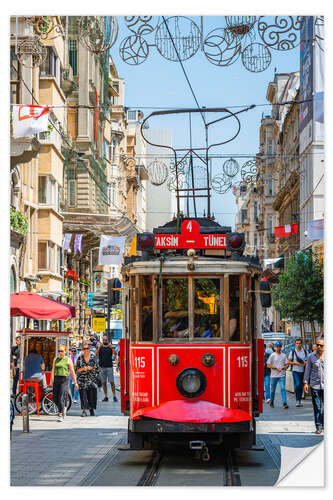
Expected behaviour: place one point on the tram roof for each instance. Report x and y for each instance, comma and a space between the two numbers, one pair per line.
178, 264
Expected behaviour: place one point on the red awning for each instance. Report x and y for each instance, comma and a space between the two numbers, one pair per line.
71, 308
32, 305
193, 411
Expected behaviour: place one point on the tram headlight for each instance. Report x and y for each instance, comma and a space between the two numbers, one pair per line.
191, 382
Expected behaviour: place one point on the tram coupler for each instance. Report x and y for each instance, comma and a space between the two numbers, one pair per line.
197, 445
201, 450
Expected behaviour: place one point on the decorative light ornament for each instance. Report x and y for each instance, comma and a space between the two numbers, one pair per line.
221, 183
283, 34
230, 167
222, 47
186, 36
31, 53
256, 57
172, 182
139, 25
249, 171
240, 25
98, 33
157, 172
134, 50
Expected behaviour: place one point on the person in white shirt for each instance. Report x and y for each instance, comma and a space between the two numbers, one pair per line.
297, 359
278, 364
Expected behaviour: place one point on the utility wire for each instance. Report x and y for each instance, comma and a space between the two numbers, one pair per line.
187, 79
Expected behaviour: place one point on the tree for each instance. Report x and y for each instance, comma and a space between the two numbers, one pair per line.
299, 295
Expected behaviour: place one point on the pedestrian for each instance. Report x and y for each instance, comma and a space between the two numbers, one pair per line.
297, 359
15, 362
314, 378
62, 365
74, 391
87, 368
34, 367
93, 340
104, 353
278, 364
314, 347
267, 373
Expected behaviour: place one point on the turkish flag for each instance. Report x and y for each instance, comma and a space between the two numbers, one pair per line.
29, 120
286, 230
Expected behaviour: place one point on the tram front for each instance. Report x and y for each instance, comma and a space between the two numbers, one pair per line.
190, 359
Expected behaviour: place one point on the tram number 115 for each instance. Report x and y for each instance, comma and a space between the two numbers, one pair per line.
140, 361
242, 361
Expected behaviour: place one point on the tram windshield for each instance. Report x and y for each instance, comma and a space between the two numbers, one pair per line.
207, 308
175, 308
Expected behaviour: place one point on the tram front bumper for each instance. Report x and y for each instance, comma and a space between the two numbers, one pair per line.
191, 416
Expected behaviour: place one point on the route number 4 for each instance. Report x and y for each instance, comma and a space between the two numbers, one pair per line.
140, 362
242, 361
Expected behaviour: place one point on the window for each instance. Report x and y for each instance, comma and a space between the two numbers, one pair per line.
255, 211
15, 71
175, 308
42, 255
49, 66
59, 259
270, 226
146, 307
51, 254
72, 51
47, 191
270, 187
255, 239
71, 188
234, 307
269, 147
243, 215
207, 307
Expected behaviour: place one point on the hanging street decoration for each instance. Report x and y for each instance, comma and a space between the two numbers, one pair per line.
98, 33
256, 57
283, 34
157, 172
134, 50
139, 25
177, 32
230, 167
31, 53
222, 47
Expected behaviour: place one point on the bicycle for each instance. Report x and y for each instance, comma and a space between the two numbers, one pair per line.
45, 402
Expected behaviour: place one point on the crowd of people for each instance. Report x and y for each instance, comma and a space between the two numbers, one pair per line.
87, 366
307, 366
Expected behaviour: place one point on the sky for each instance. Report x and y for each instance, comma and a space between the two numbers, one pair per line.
160, 83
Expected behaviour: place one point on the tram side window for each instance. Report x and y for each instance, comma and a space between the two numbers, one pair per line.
175, 308
207, 308
234, 316
146, 307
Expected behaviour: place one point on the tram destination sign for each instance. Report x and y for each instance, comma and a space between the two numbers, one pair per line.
190, 237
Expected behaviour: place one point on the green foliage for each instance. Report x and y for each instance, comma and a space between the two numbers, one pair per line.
299, 295
18, 221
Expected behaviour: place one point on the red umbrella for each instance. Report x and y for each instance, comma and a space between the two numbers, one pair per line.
71, 308
32, 305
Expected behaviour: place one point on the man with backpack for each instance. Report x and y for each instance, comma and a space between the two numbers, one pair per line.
297, 359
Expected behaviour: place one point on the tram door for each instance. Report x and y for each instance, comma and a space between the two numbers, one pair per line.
124, 353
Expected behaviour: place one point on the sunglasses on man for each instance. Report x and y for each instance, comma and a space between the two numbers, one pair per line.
320, 345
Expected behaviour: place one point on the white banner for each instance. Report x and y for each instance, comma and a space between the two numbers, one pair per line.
29, 120
111, 250
316, 229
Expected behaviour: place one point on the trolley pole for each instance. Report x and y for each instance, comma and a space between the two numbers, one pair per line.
25, 413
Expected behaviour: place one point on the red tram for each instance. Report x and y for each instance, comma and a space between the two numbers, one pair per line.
191, 360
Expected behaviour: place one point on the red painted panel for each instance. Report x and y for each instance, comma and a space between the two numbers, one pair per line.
239, 378
193, 411
124, 373
189, 357
141, 377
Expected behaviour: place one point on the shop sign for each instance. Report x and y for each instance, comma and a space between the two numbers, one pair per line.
99, 324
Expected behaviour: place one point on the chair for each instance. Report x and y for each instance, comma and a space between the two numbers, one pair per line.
32, 382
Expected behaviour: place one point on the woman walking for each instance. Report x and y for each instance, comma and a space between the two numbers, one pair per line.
62, 365
86, 369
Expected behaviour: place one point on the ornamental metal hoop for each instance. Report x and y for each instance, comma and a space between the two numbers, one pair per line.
222, 47
240, 25
283, 34
221, 183
134, 50
230, 167
249, 171
256, 57
31, 53
98, 33
157, 172
139, 25
186, 36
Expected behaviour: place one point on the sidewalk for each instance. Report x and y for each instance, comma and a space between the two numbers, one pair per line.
65, 453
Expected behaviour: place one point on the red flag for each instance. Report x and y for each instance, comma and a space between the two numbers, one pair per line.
286, 230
